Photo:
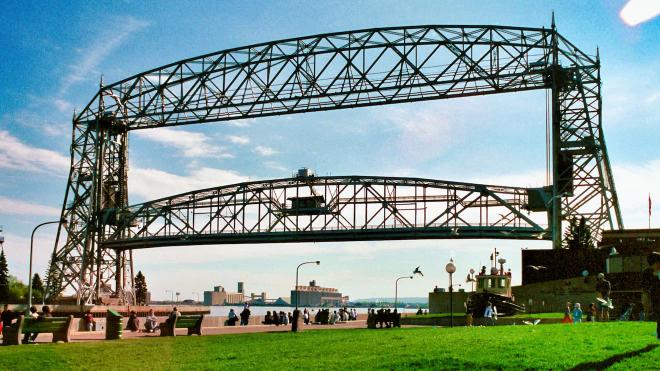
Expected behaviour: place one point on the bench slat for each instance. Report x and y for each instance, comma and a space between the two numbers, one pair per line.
185, 323
45, 324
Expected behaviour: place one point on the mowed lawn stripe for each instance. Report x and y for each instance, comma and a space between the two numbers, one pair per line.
555, 346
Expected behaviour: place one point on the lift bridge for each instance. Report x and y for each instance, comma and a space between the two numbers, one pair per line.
326, 72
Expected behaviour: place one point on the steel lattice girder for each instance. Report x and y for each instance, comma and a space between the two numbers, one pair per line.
344, 208
333, 71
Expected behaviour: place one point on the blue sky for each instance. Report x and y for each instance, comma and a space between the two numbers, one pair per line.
54, 55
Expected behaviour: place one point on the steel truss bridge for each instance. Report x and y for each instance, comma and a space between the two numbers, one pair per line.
326, 72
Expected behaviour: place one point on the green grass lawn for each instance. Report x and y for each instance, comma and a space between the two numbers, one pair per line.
522, 315
508, 347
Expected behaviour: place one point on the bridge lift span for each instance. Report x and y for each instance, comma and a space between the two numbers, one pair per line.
325, 72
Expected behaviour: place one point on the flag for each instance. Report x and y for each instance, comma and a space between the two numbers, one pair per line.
649, 205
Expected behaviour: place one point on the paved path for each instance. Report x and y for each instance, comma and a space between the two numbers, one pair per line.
84, 336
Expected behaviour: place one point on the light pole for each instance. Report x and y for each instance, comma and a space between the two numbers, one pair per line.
63, 222
177, 296
297, 322
172, 295
451, 268
196, 293
317, 262
396, 288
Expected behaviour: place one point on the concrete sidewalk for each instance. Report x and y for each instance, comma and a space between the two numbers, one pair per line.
85, 336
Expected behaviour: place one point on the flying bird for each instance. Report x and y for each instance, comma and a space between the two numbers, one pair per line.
417, 271
536, 267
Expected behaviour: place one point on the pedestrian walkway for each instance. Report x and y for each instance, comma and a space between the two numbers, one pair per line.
84, 336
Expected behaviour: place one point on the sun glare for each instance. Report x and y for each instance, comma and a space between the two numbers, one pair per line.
636, 12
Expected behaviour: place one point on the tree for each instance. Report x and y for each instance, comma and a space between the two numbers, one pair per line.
53, 279
37, 288
4, 278
140, 289
17, 290
578, 235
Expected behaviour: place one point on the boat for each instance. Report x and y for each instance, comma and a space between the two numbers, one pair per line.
494, 288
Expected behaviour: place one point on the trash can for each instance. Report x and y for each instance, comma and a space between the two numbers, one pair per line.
113, 325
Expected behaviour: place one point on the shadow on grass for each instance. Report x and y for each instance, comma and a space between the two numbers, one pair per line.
599, 365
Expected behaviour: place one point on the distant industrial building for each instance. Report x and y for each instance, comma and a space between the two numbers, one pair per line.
221, 297
317, 296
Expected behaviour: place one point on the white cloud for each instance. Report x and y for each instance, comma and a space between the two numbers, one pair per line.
264, 151
636, 12
150, 184
18, 207
275, 166
633, 183
242, 123
190, 144
19, 156
63, 105
111, 38
32, 120
423, 133
236, 139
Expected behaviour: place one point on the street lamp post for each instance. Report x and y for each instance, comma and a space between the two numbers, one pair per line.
296, 312
31, 250
451, 268
317, 262
396, 289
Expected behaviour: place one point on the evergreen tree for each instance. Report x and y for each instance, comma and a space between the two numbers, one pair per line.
140, 289
37, 288
53, 279
578, 235
4, 278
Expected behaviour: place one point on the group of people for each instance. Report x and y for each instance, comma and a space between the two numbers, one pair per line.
8, 317
150, 321
244, 318
574, 314
277, 319
383, 318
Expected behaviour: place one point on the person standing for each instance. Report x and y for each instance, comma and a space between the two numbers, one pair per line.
567, 313
245, 315
651, 288
577, 313
488, 315
603, 288
90, 322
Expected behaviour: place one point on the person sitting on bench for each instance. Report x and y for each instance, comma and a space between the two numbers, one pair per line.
133, 323
29, 337
151, 321
232, 318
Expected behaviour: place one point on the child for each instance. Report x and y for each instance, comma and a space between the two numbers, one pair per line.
577, 313
567, 314
591, 315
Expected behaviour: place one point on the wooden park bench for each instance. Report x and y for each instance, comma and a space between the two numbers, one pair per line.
60, 327
192, 322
